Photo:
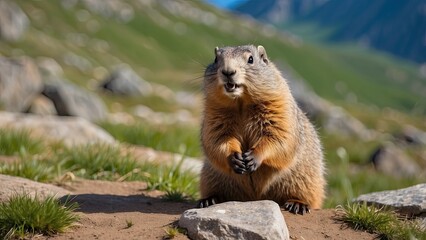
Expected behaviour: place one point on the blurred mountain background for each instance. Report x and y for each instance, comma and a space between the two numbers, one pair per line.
136, 67
396, 27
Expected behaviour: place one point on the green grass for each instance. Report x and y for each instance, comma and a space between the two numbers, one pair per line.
179, 185
383, 222
14, 141
30, 167
171, 138
24, 216
97, 162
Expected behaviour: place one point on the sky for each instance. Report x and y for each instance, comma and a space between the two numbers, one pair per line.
224, 3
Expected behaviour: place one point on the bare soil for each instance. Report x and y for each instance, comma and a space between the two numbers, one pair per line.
125, 210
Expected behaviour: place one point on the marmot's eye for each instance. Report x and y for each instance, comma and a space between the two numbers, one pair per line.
250, 60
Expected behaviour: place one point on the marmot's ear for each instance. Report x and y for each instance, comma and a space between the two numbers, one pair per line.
216, 49
262, 54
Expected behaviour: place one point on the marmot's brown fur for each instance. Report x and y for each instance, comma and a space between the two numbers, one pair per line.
258, 143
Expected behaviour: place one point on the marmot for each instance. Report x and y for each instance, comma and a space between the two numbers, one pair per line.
257, 142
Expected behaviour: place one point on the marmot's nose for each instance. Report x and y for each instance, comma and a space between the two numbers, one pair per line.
228, 73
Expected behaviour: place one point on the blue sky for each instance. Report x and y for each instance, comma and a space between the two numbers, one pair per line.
224, 3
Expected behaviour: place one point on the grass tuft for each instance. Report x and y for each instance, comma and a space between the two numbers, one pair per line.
179, 185
384, 222
30, 167
98, 162
14, 142
24, 215
172, 232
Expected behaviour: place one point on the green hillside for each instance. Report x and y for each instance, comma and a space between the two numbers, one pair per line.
171, 45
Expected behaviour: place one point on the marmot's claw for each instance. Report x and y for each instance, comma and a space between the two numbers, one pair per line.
237, 163
297, 207
203, 203
251, 163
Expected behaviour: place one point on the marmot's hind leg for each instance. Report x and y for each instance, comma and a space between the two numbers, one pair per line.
297, 207
206, 202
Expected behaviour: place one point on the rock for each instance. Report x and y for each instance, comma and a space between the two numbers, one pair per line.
145, 154
124, 81
49, 67
41, 105
408, 201
392, 160
69, 130
236, 220
412, 135
13, 21
333, 118
70, 100
20, 83
10, 186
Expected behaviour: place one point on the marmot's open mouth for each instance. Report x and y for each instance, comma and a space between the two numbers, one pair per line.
231, 87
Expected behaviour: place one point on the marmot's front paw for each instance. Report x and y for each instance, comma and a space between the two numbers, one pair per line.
237, 163
250, 161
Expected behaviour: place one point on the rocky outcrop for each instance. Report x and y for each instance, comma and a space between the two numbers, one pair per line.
392, 160
236, 220
20, 83
124, 81
70, 100
13, 21
334, 119
11, 186
68, 130
408, 201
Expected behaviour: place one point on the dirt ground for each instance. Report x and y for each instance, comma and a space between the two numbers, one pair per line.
106, 208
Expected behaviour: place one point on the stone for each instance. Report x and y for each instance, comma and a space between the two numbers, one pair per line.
70, 100
236, 220
20, 83
49, 67
41, 105
13, 21
124, 81
10, 186
408, 201
392, 160
71, 131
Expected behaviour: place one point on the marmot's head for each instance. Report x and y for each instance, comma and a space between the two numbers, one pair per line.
242, 72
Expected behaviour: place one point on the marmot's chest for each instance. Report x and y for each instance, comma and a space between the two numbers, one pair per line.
251, 126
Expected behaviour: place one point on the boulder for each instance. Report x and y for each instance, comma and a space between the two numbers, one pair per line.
10, 186
392, 160
70, 100
13, 21
69, 130
408, 201
236, 220
124, 81
43, 106
20, 83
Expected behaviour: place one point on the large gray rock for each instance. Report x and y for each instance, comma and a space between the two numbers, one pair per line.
411, 200
13, 21
69, 130
10, 186
392, 160
236, 220
70, 100
20, 83
124, 81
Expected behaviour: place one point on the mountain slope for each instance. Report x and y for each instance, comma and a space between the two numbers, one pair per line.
396, 27
170, 42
